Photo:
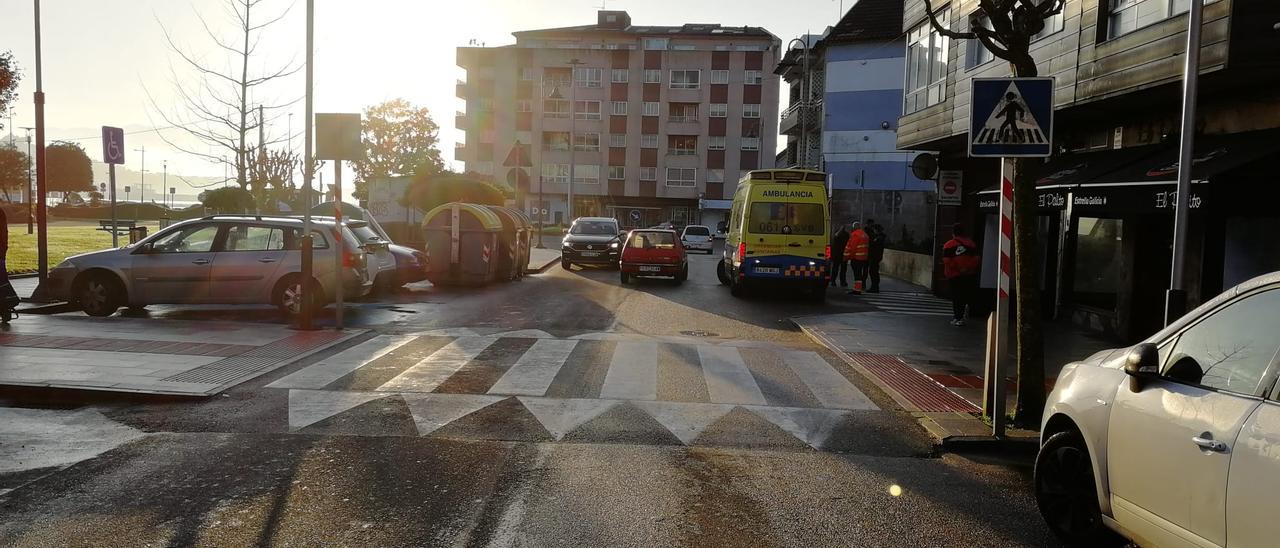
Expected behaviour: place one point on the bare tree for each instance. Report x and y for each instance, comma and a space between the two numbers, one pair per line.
215, 107
1013, 24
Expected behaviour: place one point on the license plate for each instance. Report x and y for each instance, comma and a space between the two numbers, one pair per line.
768, 270
651, 269
590, 253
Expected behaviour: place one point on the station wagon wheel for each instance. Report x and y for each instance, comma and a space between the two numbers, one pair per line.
99, 296
1066, 493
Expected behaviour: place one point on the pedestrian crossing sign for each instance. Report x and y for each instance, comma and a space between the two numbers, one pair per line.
1011, 117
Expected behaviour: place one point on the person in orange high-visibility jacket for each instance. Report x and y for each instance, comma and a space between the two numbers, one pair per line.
858, 250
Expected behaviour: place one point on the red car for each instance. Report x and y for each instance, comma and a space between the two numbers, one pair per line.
654, 252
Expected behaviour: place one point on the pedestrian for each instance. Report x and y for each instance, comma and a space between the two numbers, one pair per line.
961, 261
838, 266
8, 298
858, 251
876, 254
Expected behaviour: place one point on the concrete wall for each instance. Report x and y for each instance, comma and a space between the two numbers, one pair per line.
916, 268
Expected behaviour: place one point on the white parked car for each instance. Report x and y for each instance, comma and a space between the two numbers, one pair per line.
696, 238
1174, 441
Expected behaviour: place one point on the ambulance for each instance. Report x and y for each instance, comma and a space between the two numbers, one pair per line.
778, 233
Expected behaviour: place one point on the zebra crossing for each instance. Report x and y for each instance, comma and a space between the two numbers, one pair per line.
912, 304
594, 387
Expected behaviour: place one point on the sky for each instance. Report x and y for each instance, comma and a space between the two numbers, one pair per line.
106, 61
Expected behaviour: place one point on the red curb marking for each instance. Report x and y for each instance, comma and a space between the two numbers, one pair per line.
922, 391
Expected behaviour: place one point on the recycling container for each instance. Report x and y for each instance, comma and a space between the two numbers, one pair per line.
462, 244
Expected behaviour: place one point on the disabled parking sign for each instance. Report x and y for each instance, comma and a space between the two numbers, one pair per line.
1011, 117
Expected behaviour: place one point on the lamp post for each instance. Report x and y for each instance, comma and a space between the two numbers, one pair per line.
27, 190
42, 221
1176, 297
803, 157
166, 180
573, 131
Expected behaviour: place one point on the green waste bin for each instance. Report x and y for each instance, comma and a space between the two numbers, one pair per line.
462, 244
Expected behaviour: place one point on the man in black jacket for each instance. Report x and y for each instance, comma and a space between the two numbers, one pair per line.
876, 254
839, 267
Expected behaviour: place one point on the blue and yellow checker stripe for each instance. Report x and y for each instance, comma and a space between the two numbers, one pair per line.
804, 271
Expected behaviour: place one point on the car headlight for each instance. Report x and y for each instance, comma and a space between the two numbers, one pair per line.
613, 245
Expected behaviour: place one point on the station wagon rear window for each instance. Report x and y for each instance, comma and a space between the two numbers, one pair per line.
697, 231
786, 218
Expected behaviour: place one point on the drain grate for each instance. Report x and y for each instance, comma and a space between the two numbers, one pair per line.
699, 333
258, 359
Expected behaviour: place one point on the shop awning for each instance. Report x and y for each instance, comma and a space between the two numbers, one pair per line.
1215, 154
1071, 170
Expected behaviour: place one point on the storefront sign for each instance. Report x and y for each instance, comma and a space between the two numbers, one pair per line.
1131, 199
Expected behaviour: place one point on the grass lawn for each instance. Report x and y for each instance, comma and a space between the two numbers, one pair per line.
65, 240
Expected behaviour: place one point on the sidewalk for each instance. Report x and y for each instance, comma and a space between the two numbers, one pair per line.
187, 358
930, 367
540, 259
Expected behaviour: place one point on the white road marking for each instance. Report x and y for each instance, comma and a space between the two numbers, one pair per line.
40, 438
728, 378
812, 426
307, 407
427, 374
433, 411
686, 420
536, 369
633, 372
831, 388
335, 367
561, 416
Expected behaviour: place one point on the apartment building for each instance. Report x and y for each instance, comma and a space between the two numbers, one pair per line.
846, 93
647, 124
1106, 197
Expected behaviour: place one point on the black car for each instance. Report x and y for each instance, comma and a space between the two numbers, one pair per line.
591, 240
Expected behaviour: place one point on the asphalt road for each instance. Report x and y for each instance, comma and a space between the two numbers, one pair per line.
562, 410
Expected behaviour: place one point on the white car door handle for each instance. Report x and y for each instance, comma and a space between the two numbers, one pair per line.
200, 261
1210, 444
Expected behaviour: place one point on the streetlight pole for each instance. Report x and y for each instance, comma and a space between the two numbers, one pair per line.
27, 190
573, 131
1176, 298
308, 169
42, 221
165, 188
142, 187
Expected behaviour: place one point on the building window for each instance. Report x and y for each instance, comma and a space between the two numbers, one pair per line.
715, 175
715, 142
750, 111
752, 77
586, 110
682, 145
1055, 23
978, 54
618, 108
587, 77
618, 140
617, 173
750, 143
484, 104
926, 65
555, 173
719, 77
528, 73
483, 168
648, 174
1099, 261
555, 108
1126, 16
656, 43
586, 174
685, 79
649, 140
719, 110
682, 112
620, 76
681, 176
652, 76
589, 142
683, 47
651, 108
524, 105
555, 140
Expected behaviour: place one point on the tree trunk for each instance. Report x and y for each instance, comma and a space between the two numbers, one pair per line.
244, 102
1026, 262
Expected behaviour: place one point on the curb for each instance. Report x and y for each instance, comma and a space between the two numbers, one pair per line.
544, 267
945, 438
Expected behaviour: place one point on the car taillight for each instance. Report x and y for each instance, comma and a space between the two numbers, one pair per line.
828, 252
742, 250
349, 259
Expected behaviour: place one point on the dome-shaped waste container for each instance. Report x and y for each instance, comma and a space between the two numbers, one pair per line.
513, 241
526, 243
461, 244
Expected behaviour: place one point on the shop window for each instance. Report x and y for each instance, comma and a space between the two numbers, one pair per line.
1099, 263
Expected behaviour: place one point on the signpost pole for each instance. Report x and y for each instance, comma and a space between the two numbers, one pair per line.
1176, 298
994, 391
115, 234
342, 246
308, 172
112, 154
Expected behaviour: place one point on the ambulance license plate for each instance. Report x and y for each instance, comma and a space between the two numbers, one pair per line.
768, 270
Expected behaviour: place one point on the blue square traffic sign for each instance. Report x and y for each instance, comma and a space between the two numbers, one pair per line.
112, 145
1011, 117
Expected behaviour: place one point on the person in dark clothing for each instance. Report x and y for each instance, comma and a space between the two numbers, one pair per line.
876, 233
839, 267
8, 299
961, 262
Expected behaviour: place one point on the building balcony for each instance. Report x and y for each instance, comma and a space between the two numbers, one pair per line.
460, 120
791, 118
683, 125
460, 89
459, 152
